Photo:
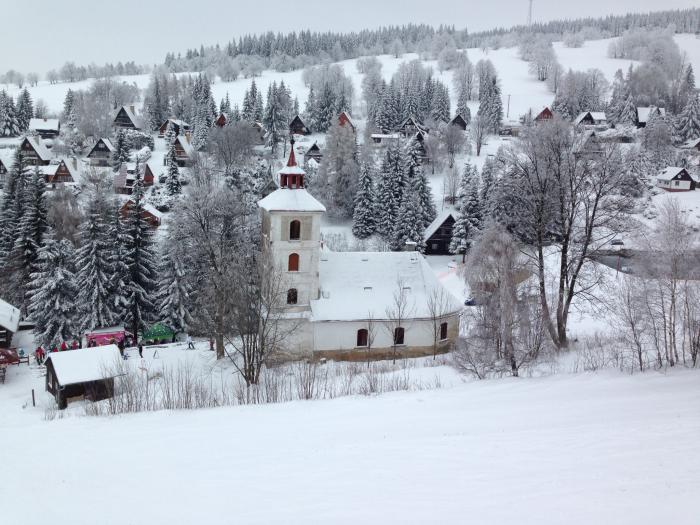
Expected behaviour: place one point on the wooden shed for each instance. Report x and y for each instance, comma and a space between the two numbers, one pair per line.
459, 122
86, 373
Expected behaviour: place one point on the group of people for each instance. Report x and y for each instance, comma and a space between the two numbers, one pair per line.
40, 354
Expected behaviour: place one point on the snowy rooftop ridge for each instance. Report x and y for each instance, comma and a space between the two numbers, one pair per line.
86, 364
435, 225
44, 124
285, 199
9, 316
359, 285
669, 173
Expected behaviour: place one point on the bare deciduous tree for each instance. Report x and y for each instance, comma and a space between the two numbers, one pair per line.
396, 314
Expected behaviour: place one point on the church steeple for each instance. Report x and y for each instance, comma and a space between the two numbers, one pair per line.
292, 175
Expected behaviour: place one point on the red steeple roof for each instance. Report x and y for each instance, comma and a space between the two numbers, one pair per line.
291, 176
292, 159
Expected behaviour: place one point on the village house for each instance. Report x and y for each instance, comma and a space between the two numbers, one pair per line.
411, 126
591, 118
3, 173
183, 151
34, 153
9, 323
126, 177
221, 120
149, 214
101, 153
645, 113
46, 128
459, 122
259, 133
126, 118
675, 179
544, 115
178, 126
313, 153
384, 138
344, 119
692, 145
587, 146
87, 373
438, 234
339, 305
297, 127
63, 172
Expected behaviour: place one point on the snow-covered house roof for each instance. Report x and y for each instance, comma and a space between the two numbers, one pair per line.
286, 199
9, 316
108, 144
87, 364
597, 116
44, 124
129, 113
152, 210
439, 221
644, 113
670, 173
691, 144
359, 285
186, 146
41, 150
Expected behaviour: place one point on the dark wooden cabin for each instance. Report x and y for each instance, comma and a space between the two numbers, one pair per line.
314, 152
411, 126
459, 122
64, 171
544, 115
87, 373
34, 152
297, 127
148, 213
126, 118
221, 120
439, 234
101, 153
183, 151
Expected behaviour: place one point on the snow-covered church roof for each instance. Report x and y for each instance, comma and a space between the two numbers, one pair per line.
358, 285
296, 198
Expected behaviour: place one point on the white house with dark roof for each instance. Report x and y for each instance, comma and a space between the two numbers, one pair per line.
674, 178
342, 303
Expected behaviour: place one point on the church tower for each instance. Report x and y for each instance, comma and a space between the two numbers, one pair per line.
291, 227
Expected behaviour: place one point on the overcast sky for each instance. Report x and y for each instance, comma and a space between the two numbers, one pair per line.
43, 34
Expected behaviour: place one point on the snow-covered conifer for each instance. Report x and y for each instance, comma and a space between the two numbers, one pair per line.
469, 219
363, 218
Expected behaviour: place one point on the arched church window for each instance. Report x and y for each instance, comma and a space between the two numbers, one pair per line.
293, 265
295, 230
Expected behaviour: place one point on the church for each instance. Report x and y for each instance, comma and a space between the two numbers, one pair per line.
348, 305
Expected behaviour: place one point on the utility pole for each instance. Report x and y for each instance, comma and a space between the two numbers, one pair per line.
508, 110
529, 15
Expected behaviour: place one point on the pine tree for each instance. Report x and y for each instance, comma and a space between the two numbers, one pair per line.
409, 226
392, 181
12, 208
201, 130
68, 105
52, 295
463, 106
617, 99
628, 113
121, 151
440, 110
339, 169
468, 222
363, 218
418, 181
173, 292
140, 260
488, 175
25, 110
95, 270
225, 106
688, 125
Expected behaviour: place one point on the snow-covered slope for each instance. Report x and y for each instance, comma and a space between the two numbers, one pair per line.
567, 449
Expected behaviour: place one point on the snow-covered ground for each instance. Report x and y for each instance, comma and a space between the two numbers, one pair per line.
591, 448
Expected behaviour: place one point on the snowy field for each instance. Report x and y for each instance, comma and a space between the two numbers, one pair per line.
590, 448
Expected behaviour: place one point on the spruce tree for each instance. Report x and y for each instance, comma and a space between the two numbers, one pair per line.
463, 106
94, 270
25, 110
469, 219
339, 169
225, 106
364, 222
140, 260
392, 181
173, 291
418, 182
409, 225
617, 99
688, 124
12, 207
628, 113
121, 150
52, 294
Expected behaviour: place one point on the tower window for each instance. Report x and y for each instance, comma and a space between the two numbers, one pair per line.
362, 337
443, 331
398, 336
292, 296
295, 230
293, 265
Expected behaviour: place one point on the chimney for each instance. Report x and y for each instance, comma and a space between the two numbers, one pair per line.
132, 109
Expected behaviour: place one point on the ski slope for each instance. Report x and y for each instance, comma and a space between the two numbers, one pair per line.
584, 449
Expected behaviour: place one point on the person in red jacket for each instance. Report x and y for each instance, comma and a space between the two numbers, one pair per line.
64, 346
74, 345
40, 355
